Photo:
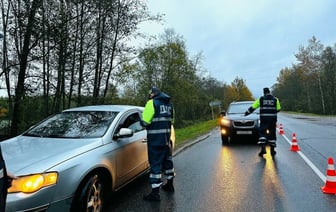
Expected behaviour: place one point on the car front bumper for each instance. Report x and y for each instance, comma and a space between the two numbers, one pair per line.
38, 201
232, 132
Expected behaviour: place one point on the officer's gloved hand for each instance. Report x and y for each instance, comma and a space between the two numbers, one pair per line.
143, 123
247, 113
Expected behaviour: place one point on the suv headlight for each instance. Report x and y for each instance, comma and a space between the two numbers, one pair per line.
225, 122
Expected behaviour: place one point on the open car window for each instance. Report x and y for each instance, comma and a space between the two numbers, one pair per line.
133, 122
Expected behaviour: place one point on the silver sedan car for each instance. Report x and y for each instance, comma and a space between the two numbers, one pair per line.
74, 159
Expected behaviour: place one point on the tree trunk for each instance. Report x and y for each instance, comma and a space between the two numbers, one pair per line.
20, 89
321, 94
81, 57
113, 49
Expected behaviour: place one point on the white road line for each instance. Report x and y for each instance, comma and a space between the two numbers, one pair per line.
312, 166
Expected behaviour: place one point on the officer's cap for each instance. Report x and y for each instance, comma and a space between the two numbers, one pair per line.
154, 91
266, 90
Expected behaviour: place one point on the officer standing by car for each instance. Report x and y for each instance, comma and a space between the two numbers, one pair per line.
5, 178
5, 182
269, 107
158, 118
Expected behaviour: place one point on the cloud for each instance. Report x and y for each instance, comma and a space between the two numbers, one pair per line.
253, 40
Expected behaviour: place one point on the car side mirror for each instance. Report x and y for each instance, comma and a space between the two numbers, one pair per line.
123, 133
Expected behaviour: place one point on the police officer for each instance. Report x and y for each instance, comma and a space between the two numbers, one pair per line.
5, 182
157, 117
269, 107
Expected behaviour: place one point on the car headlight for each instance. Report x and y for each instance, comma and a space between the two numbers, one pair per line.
32, 183
225, 122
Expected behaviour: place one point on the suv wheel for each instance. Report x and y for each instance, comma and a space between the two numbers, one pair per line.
225, 139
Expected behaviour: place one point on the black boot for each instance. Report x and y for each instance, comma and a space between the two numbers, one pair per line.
169, 187
154, 195
262, 151
273, 152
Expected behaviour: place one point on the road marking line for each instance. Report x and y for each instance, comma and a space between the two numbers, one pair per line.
312, 166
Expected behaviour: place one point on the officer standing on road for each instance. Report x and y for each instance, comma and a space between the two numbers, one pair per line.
5, 178
5, 182
157, 117
269, 107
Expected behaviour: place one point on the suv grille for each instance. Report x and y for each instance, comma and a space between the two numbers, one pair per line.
243, 123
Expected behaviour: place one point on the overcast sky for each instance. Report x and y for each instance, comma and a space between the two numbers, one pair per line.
249, 39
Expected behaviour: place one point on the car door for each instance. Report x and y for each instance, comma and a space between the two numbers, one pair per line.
132, 157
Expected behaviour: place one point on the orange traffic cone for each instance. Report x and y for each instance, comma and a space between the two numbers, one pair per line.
330, 185
281, 130
294, 146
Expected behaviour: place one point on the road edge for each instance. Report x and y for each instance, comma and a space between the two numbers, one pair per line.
192, 142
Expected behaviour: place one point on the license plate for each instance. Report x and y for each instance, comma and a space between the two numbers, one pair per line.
244, 132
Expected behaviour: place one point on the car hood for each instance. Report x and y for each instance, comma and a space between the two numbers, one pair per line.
241, 116
26, 155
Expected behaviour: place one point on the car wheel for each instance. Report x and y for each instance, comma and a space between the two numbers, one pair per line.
90, 197
225, 139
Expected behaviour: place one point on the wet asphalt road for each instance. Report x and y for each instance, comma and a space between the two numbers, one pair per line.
212, 177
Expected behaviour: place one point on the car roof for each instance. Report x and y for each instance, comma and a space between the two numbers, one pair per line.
242, 102
116, 108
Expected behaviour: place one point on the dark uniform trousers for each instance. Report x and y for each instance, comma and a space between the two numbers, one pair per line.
160, 158
268, 123
4, 183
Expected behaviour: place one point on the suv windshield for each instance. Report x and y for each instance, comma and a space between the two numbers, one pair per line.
240, 108
74, 124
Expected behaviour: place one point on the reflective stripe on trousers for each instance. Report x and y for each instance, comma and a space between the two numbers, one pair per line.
158, 131
160, 160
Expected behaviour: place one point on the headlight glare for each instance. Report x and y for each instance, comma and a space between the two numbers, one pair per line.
33, 183
225, 122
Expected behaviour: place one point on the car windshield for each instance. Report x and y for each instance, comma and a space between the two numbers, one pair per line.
74, 124
240, 108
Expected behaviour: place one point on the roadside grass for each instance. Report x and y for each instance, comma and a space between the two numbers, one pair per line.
186, 134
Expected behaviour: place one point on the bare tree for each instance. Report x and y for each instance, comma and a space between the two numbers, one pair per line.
23, 52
